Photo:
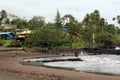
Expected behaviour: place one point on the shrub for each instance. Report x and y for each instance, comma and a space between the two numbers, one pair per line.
1, 43
15, 44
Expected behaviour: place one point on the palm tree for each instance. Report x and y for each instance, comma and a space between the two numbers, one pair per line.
72, 28
118, 21
91, 21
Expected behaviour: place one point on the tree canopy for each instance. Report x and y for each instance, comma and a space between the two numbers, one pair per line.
66, 31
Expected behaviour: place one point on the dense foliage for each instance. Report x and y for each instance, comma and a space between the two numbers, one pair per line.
46, 37
67, 32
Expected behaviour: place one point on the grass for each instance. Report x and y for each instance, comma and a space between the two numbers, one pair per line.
80, 44
7, 42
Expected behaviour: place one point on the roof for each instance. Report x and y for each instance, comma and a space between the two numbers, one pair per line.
26, 32
20, 36
5, 33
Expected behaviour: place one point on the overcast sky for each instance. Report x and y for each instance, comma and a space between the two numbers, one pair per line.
48, 8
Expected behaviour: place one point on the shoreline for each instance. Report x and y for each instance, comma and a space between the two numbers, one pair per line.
10, 65
40, 63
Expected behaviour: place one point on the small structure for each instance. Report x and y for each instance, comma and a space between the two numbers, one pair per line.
21, 36
7, 35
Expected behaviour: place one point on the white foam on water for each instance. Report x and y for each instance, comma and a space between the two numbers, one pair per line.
94, 63
50, 58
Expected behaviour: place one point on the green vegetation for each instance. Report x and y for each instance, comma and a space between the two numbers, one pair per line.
7, 42
1, 42
45, 37
116, 39
65, 31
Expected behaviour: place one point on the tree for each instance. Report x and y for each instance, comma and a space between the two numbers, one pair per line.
93, 23
73, 29
87, 30
20, 23
118, 21
36, 21
110, 28
4, 19
117, 40
3, 14
101, 25
45, 37
104, 39
58, 20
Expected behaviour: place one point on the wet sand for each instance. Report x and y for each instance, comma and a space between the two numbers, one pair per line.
11, 69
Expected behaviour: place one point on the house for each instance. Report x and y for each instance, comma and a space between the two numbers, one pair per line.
21, 36
8, 26
7, 35
26, 32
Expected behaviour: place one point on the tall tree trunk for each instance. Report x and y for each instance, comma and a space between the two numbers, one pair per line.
93, 36
71, 42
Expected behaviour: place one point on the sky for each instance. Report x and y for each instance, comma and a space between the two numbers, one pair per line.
48, 8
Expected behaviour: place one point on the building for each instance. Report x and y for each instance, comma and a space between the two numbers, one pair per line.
7, 35
22, 35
